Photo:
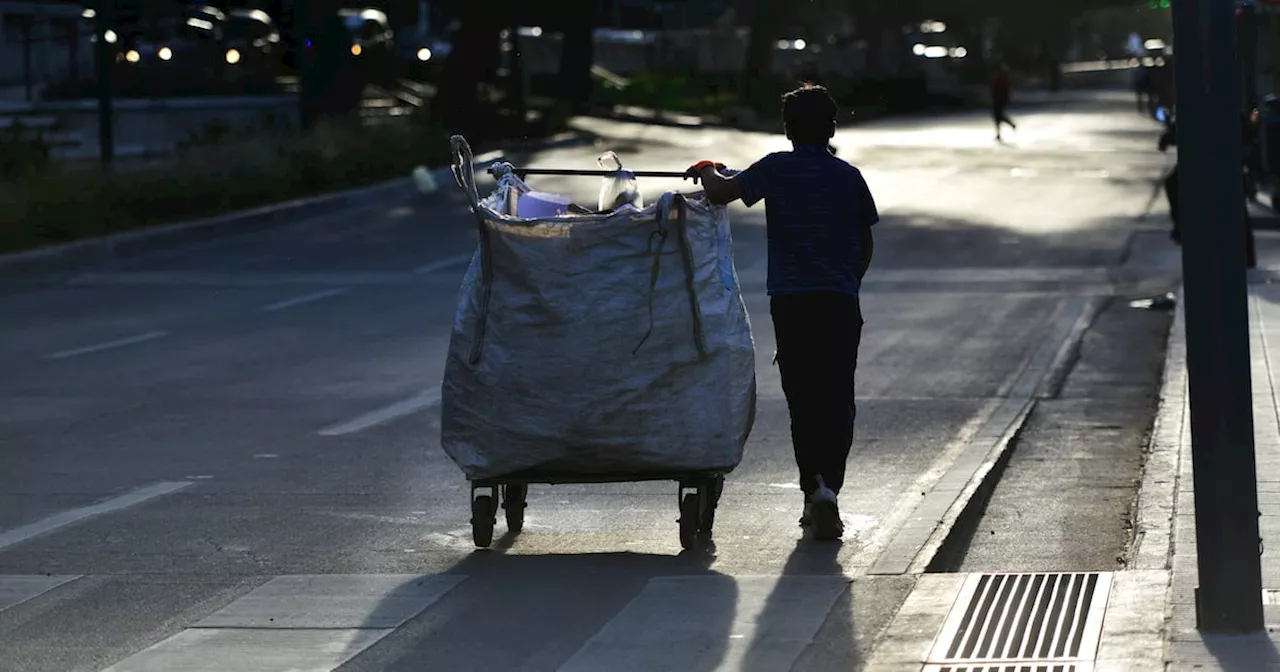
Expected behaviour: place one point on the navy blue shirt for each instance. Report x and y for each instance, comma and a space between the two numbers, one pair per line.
816, 208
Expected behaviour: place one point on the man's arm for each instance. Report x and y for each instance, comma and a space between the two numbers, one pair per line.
867, 243
721, 190
750, 185
868, 217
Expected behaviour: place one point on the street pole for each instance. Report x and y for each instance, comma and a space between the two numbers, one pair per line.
106, 127
1229, 596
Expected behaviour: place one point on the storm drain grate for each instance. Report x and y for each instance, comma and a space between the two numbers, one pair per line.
1013, 667
1016, 622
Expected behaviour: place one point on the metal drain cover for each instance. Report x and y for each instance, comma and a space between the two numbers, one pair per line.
1014, 667
1023, 623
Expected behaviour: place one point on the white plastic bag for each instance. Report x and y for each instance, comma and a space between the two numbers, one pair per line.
610, 344
618, 189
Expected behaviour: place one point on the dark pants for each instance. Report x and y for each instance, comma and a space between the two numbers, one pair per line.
1000, 114
818, 335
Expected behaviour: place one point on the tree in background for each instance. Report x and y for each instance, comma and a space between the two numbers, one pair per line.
578, 20
473, 61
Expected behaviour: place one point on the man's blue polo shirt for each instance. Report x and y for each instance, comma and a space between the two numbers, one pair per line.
816, 207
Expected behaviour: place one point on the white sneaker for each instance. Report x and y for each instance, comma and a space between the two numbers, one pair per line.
824, 515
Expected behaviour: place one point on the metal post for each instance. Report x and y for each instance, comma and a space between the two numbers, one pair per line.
1248, 55
106, 127
1229, 596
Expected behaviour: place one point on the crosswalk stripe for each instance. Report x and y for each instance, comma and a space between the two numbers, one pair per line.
712, 623
314, 623
18, 588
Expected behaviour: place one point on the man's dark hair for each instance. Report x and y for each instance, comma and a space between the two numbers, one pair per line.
809, 113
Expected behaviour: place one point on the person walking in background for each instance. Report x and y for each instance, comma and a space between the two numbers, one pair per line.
1001, 94
1142, 88
819, 213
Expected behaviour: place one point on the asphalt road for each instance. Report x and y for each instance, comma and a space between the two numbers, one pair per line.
261, 414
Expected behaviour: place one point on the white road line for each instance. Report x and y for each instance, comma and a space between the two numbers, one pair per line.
57, 520
109, 345
305, 298
17, 588
293, 623
441, 264
713, 623
397, 410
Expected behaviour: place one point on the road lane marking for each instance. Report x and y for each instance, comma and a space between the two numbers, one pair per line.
395, 411
289, 623
57, 520
713, 623
305, 299
109, 345
441, 264
17, 588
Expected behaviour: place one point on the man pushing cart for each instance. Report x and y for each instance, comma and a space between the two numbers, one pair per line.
614, 345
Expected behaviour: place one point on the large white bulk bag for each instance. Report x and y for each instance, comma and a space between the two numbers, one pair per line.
598, 345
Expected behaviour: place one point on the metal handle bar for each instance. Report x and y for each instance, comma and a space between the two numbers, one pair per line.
522, 172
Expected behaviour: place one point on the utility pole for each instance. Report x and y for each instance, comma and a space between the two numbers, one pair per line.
105, 18
1229, 595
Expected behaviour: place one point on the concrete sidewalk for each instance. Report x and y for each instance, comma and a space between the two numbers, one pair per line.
1166, 526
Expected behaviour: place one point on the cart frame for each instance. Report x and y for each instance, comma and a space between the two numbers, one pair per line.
697, 496
698, 491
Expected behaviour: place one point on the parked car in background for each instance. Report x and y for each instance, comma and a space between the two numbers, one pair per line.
420, 57
372, 43
252, 44
179, 46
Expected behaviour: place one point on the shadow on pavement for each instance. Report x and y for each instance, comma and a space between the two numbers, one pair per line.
1243, 653
833, 640
565, 612
927, 240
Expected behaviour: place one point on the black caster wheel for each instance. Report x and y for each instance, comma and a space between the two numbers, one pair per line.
710, 494
513, 503
690, 517
483, 518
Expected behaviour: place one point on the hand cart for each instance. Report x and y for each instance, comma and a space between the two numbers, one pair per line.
698, 492
698, 495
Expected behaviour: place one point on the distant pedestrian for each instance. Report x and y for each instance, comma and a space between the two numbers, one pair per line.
1001, 95
819, 214
1143, 89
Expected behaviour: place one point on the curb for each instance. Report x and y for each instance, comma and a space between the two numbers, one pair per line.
1152, 546
946, 552
70, 257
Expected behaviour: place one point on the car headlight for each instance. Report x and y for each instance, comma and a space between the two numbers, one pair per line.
165, 53
233, 56
424, 54
132, 56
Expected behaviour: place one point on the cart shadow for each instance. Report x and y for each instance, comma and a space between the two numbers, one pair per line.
564, 611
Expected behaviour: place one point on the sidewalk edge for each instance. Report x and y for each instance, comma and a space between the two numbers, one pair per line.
1152, 546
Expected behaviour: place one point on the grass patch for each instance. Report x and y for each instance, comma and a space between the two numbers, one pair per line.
52, 203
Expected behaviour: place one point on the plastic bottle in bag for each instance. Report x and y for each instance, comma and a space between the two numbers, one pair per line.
618, 189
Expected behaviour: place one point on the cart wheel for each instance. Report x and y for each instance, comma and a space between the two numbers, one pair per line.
513, 502
714, 487
482, 520
689, 519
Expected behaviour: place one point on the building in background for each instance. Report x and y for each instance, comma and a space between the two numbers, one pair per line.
41, 41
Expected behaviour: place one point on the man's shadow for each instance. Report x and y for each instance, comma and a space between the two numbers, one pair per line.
794, 630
